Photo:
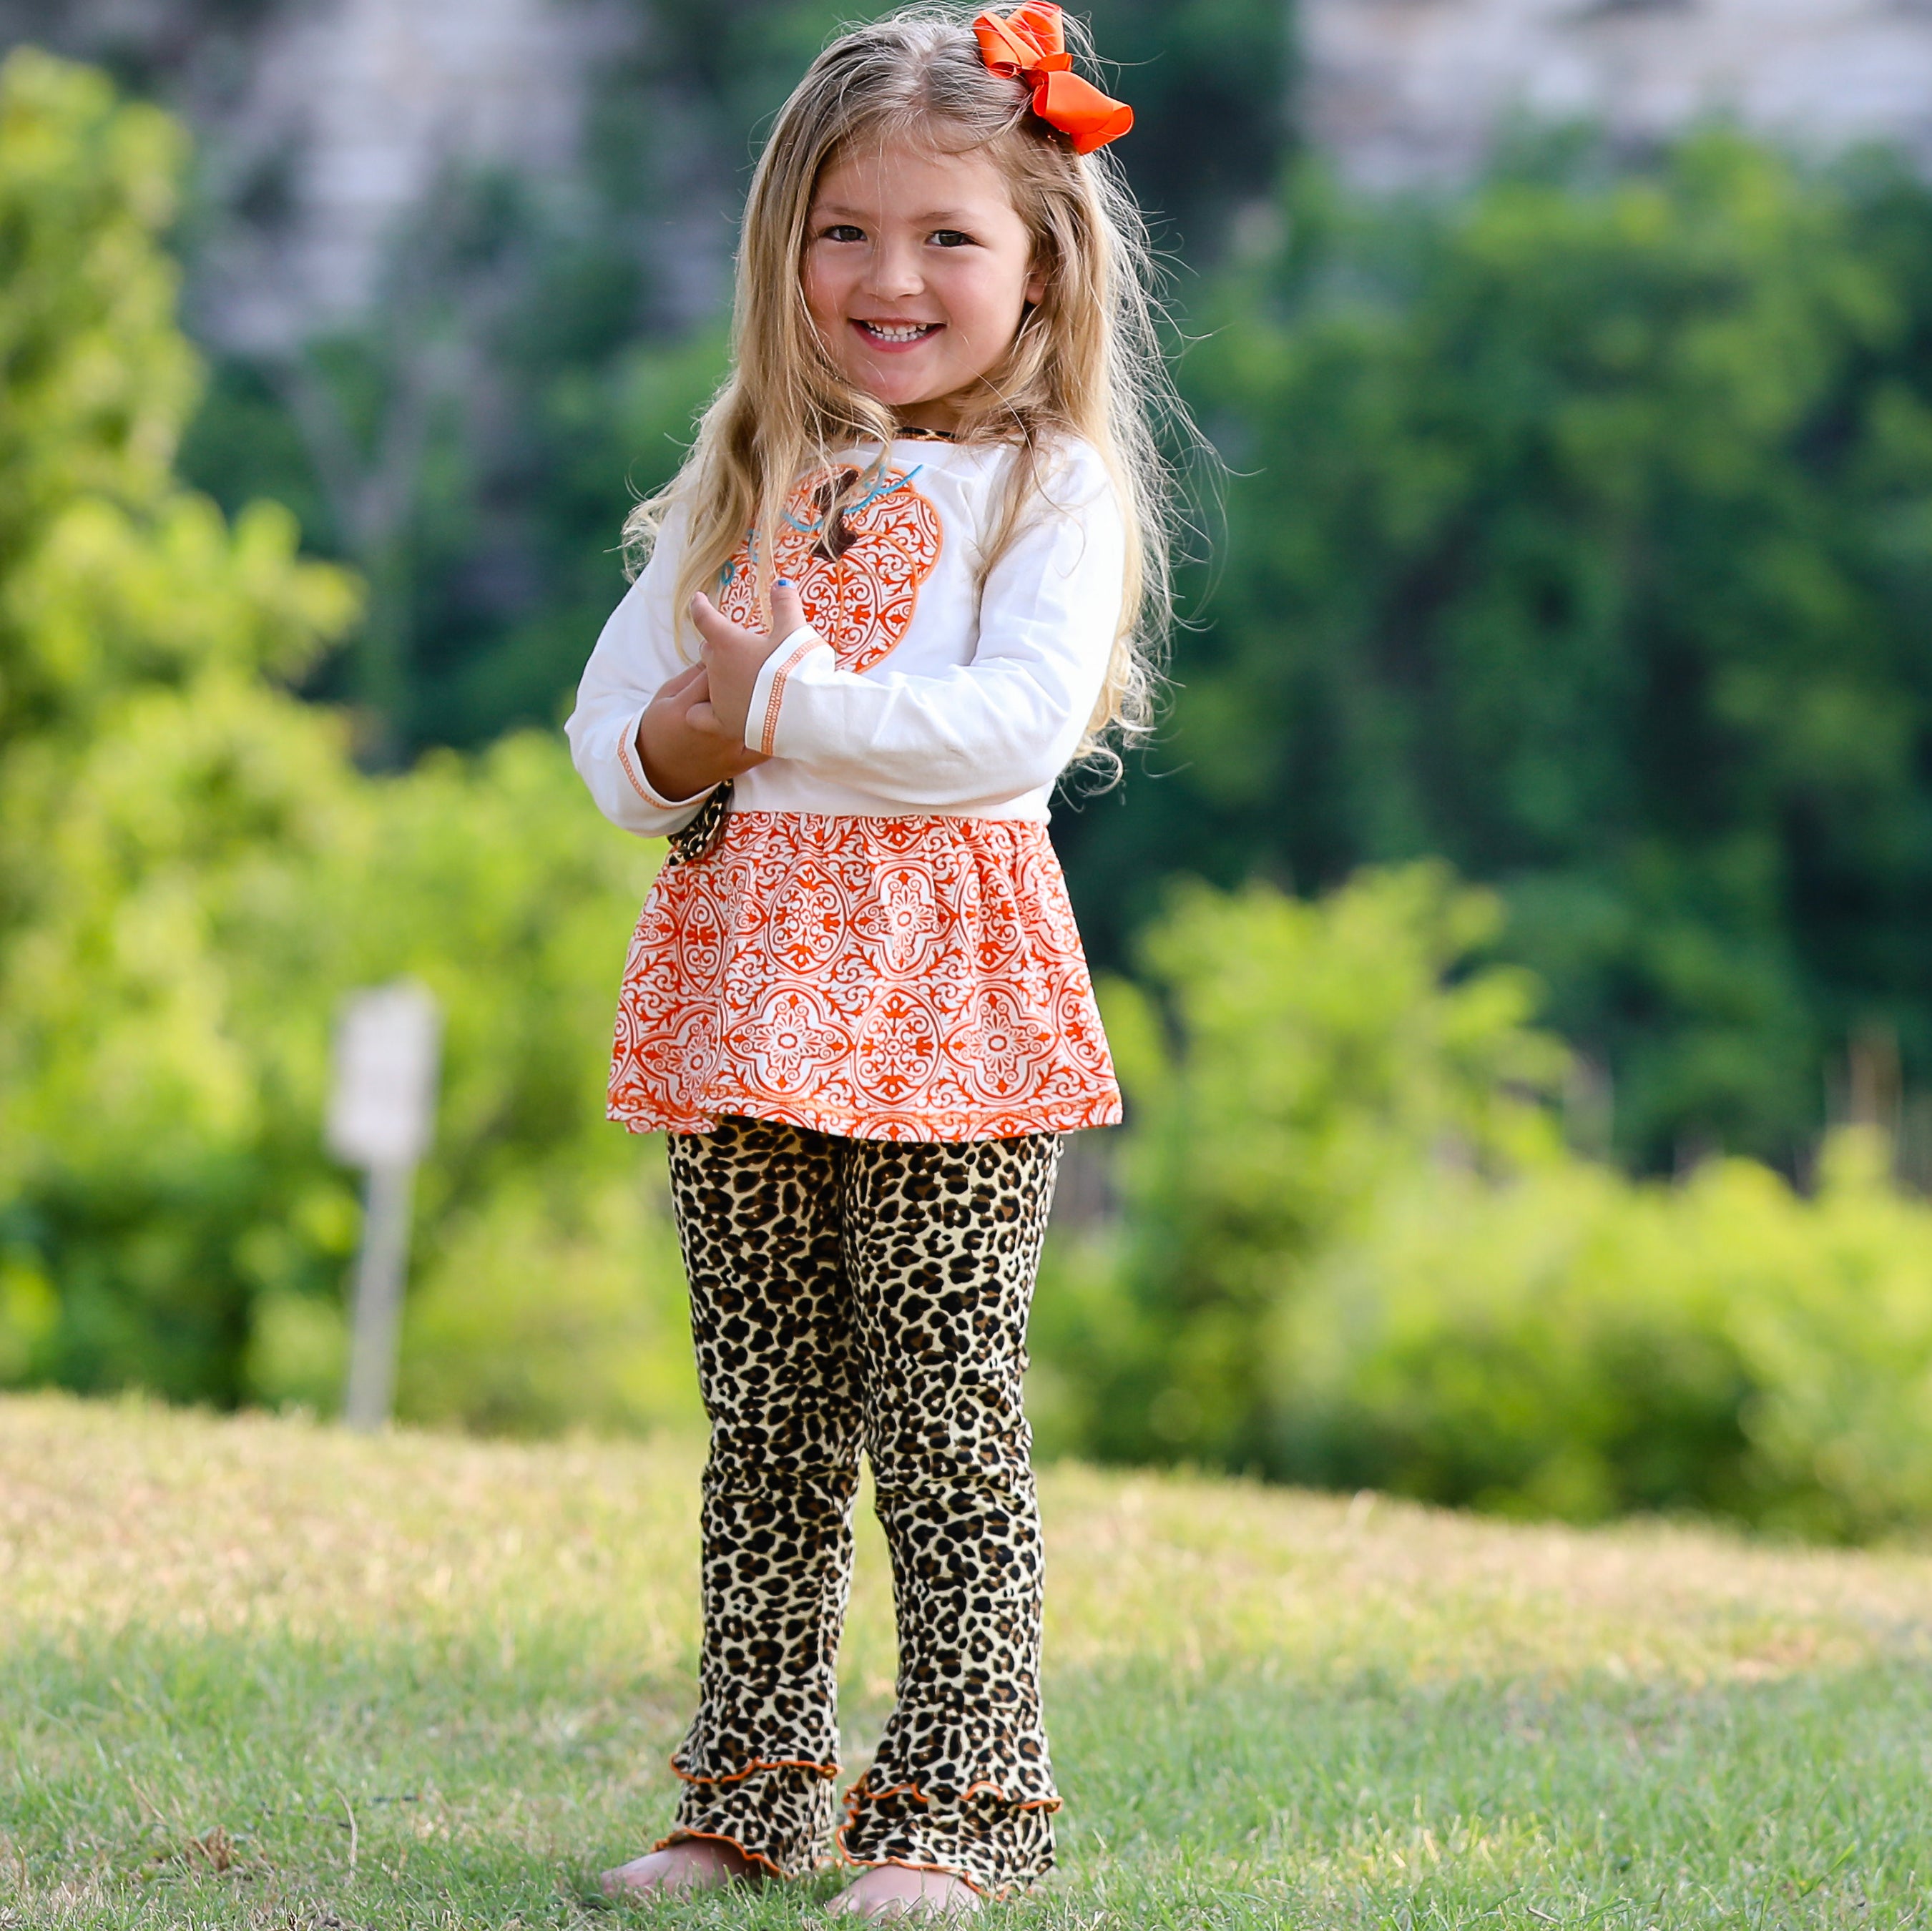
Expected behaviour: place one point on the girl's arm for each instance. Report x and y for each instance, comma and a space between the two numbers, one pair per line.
638, 691
1005, 723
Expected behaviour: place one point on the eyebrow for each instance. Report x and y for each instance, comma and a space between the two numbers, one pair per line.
941, 217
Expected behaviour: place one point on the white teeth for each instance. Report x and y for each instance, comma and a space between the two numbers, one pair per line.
905, 331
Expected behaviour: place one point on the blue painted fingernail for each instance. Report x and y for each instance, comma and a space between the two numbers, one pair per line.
782, 583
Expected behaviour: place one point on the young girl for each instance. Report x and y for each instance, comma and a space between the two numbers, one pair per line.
893, 592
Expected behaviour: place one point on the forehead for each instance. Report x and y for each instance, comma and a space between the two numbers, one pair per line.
888, 175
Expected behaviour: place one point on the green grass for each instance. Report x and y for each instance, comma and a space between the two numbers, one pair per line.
259, 1673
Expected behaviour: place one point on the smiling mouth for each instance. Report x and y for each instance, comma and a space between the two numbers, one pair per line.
896, 334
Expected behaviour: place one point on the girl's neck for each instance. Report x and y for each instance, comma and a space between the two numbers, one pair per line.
930, 418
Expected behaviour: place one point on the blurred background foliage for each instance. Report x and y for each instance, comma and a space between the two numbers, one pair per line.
531, 368
1358, 1249
194, 872
1516, 947
1582, 535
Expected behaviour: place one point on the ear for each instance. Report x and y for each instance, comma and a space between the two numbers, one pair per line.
1035, 290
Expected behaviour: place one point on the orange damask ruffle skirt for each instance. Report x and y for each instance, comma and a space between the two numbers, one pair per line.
886, 979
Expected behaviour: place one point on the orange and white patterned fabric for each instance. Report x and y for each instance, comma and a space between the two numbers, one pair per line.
883, 978
881, 946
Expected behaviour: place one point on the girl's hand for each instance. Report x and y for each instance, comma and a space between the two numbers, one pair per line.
733, 655
684, 748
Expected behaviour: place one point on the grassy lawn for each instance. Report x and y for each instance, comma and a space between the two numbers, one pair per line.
259, 1673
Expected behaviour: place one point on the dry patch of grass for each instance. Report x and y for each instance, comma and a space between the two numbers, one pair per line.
257, 1672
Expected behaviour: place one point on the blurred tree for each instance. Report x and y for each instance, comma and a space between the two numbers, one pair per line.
1354, 1250
1296, 1062
145, 756
473, 451
1582, 531
193, 873
1580, 1344
473, 447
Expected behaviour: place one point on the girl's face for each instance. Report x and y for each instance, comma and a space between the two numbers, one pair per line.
918, 270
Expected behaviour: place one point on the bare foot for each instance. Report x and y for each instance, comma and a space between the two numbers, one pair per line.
891, 1890
698, 1863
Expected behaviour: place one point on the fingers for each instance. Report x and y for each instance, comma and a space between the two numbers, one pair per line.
692, 681
712, 625
680, 685
710, 724
716, 628
788, 612
733, 757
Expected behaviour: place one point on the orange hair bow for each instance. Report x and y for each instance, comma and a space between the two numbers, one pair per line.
1029, 45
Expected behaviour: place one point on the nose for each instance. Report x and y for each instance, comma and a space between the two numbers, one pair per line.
892, 271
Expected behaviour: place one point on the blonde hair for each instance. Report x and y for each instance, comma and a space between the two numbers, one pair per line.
1085, 362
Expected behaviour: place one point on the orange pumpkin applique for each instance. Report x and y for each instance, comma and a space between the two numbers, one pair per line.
858, 570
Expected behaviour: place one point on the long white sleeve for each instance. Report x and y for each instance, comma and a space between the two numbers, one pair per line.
982, 733
636, 655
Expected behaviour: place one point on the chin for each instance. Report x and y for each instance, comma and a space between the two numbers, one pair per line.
889, 398
897, 388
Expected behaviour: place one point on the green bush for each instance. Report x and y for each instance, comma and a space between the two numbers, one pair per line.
193, 874
1572, 1344
1356, 1252
1321, 1054
1579, 535
547, 1292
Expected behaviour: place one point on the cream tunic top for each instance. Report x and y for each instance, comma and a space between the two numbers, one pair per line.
880, 945
934, 694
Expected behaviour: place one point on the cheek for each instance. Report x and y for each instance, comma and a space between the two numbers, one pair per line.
988, 301
823, 289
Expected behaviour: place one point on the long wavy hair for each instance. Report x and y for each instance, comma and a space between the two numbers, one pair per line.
1086, 361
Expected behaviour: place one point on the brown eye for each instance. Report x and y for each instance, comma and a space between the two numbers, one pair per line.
843, 231
951, 238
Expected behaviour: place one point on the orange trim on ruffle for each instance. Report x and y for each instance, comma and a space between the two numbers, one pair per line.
827, 1770
861, 1791
677, 1837
986, 1785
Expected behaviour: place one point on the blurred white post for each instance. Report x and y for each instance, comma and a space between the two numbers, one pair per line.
382, 1112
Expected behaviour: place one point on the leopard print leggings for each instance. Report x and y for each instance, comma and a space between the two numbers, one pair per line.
862, 1292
